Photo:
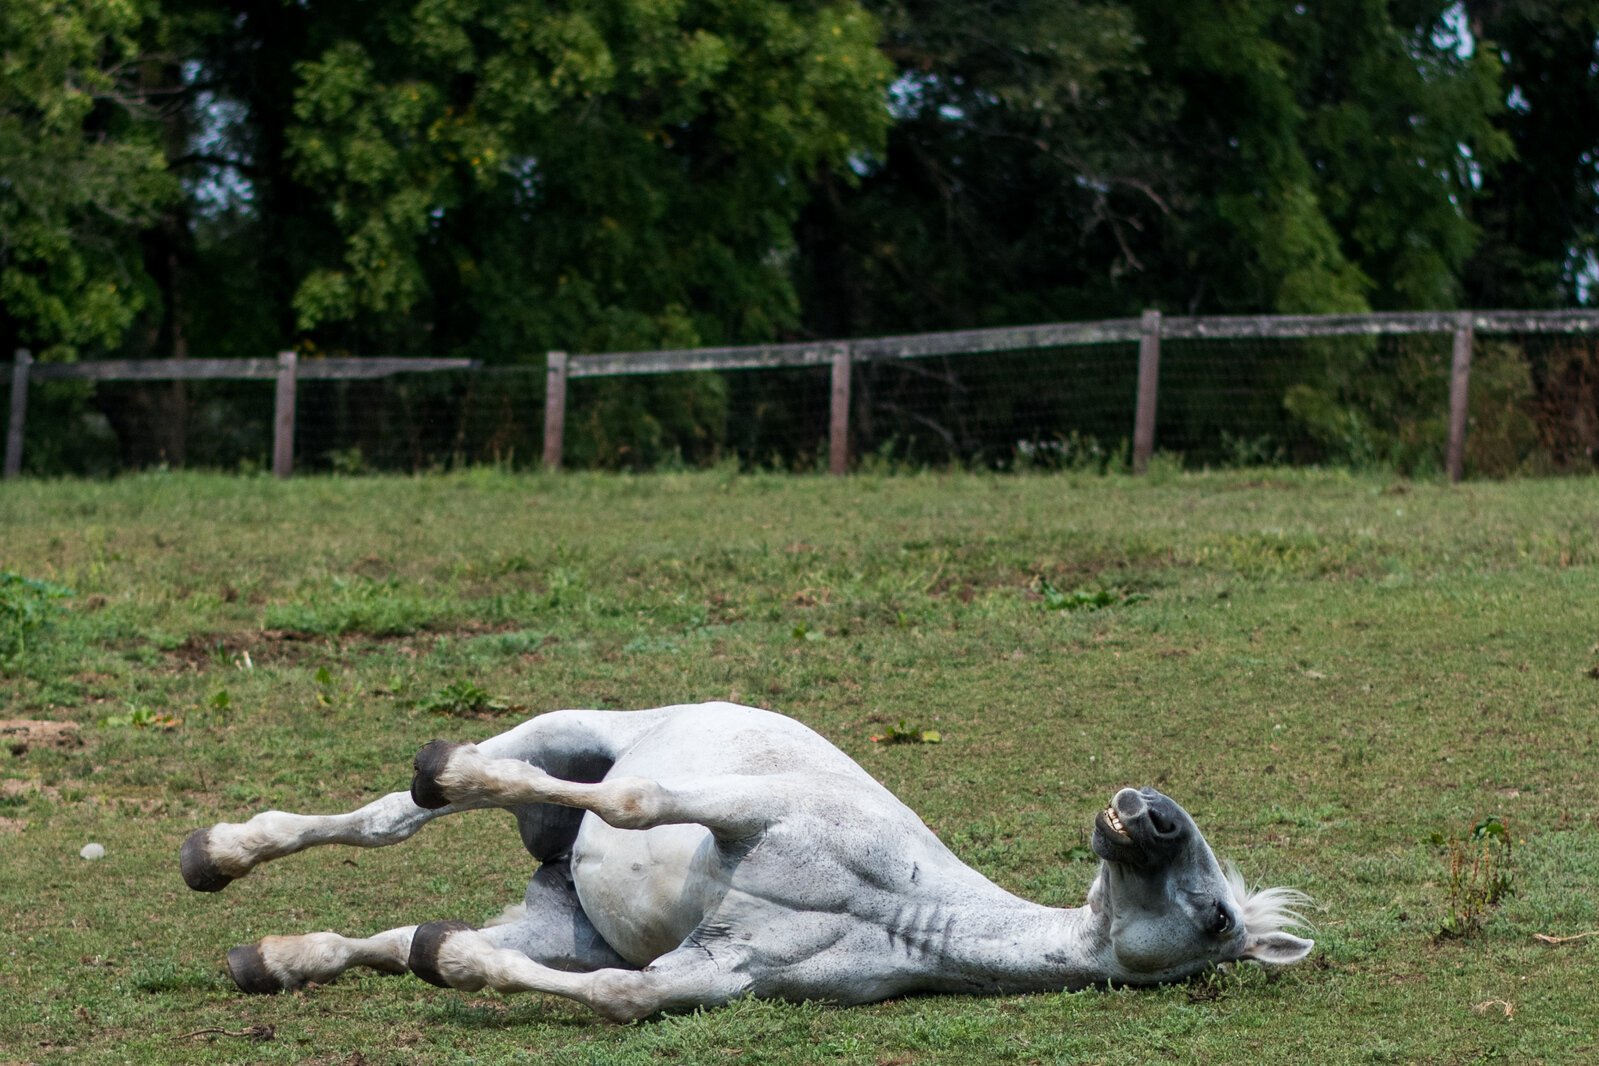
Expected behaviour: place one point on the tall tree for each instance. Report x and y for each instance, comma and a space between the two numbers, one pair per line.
585, 175
81, 172
1540, 212
1070, 159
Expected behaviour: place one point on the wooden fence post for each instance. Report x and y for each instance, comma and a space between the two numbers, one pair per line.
283, 416
554, 409
19, 412
1459, 396
1148, 384
838, 422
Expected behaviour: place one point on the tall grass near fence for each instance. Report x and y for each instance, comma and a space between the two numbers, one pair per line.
1339, 675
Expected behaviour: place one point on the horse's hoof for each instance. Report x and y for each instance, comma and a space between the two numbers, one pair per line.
429, 763
425, 945
194, 859
249, 971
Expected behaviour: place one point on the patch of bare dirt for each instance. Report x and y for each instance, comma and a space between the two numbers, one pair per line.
11, 788
210, 650
20, 735
289, 646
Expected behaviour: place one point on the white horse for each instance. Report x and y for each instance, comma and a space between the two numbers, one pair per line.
691, 855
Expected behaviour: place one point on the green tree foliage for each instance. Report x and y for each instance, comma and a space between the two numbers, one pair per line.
1540, 210
589, 175
1022, 172
1330, 147
498, 179
81, 173
1095, 158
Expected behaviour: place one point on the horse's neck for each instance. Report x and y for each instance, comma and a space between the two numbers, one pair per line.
997, 942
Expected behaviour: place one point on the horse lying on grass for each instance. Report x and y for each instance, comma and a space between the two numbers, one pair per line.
691, 855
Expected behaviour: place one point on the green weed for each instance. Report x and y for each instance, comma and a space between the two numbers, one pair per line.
1481, 866
378, 608
1084, 599
900, 733
27, 609
141, 718
463, 699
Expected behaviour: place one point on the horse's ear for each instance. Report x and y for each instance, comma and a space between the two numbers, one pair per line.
1276, 949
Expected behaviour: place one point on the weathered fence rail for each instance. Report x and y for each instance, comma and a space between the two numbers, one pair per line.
1147, 332
287, 370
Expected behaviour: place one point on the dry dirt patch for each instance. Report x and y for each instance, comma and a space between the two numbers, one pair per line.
20, 735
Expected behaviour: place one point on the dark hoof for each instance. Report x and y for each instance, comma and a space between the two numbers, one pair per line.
425, 945
194, 859
429, 763
248, 970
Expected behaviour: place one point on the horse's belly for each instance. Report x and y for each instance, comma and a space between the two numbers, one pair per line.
644, 891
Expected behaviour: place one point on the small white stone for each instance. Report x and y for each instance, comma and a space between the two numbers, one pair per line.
92, 851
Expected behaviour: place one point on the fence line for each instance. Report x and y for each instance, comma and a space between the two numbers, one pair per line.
1147, 331
286, 370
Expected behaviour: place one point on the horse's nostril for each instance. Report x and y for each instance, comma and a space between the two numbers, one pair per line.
1162, 823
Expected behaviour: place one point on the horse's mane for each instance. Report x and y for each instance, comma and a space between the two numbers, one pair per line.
1267, 910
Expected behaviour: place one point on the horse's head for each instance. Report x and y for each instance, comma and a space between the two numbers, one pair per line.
1169, 907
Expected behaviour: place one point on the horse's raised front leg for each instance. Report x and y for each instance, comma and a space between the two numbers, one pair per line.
732, 806
211, 858
549, 926
452, 956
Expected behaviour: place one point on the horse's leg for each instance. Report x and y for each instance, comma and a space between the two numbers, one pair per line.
731, 806
549, 926
453, 956
211, 858
280, 963
577, 744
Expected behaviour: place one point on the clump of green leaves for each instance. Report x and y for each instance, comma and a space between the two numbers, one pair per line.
1084, 599
900, 733
27, 607
356, 605
463, 699
1481, 873
142, 718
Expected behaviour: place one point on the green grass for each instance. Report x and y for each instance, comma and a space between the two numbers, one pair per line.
1335, 674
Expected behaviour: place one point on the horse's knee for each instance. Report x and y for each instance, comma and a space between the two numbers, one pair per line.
623, 996
632, 803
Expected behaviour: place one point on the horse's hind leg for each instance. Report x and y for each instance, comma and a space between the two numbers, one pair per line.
456, 957
549, 927
731, 806
580, 745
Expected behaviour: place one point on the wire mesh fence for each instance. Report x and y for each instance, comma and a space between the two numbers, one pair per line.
1065, 407
420, 421
1368, 398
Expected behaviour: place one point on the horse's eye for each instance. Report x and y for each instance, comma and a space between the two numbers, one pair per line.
1222, 922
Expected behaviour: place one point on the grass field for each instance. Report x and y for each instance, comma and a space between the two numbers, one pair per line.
1338, 675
